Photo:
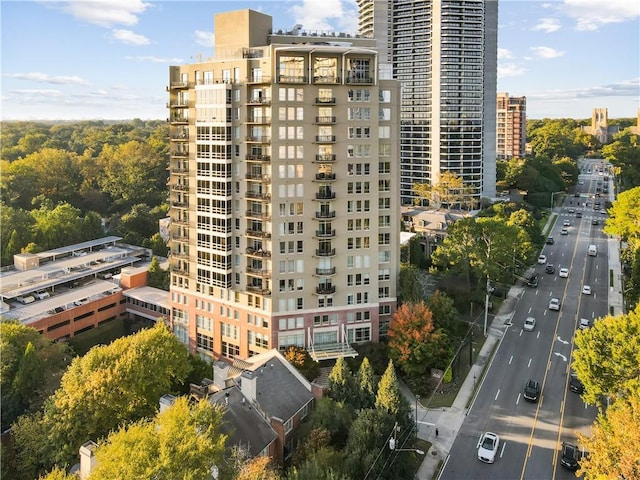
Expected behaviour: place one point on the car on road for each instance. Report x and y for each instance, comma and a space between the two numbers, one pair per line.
564, 231
571, 210
550, 241
533, 281
554, 304
42, 294
584, 324
586, 290
570, 456
488, 447
578, 214
542, 259
566, 223
594, 221
575, 385
531, 391
550, 268
564, 272
529, 324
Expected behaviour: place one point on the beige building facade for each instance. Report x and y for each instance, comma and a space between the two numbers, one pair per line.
284, 190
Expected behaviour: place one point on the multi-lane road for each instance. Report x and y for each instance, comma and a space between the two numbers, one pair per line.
531, 433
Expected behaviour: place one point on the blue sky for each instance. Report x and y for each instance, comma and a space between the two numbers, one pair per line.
108, 59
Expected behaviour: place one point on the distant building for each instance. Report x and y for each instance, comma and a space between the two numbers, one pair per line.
73, 289
636, 129
511, 126
600, 127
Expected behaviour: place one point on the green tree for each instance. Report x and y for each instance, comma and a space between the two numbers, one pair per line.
389, 397
300, 358
57, 226
443, 311
607, 358
30, 369
158, 277
341, 382
624, 154
334, 417
366, 381
614, 444
158, 245
624, 217
449, 190
409, 283
106, 388
59, 474
258, 468
184, 441
16, 231
525, 220
138, 225
414, 342
554, 139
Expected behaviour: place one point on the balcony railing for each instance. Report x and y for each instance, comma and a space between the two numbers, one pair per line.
257, 233
325, 214
180, 153
180, 255
179, 84
326, 158
179, 170
258, 289
258, 138
326, 271
364, 80
259, 120
257, 252
259, 101
180, 137
326, 100
325, 233
179, 238
180, 270
325, 195
258, 176
258, 195
178, 119
325, 176
326, 79
258, 272
292, 79
179, 221
177, 187
252, 157
325, 138
325, 289
325, 252
180, 204
326, 120
260, 215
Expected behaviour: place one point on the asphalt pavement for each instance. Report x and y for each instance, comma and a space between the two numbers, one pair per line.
440, 426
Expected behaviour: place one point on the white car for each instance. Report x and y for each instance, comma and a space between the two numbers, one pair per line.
564, 272
564, 231
554, 304
542, 259
567, 223
584, 323
529, 324
586, 290
488, 447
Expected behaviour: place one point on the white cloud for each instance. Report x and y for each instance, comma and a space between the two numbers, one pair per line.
132, 38
152, 59
34, 92
510, 70
106, 13
206, 39
548, 25
46, 78
625, 88
591, 14
504, 54
316, 15
546, 52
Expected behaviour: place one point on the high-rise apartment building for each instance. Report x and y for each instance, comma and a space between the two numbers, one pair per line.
511, 126
284, 192
444, 53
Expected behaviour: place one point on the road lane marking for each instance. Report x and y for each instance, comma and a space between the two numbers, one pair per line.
538, 335
497, 393
521, 330
502, 451
511, 359
562, 341
529, 364
529, 309
518, 399
560, 355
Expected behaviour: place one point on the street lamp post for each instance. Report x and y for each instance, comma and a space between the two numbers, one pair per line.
486, 306
417, 398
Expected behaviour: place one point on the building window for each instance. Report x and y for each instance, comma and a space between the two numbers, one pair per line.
204, 342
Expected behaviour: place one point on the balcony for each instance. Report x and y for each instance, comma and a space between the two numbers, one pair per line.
259, 290
326, 158
325, 176
179, 103
252, 252
178, 85
258, 158
325, 100
180, 137
178, 270
325, 289
179, 238
326, 271
257, 233
327, 79
259, 120
258, 138
180, 255
325, 233
292, 79
179, 170
258, 272
259, 101
178, 120
258, 195
255, 214
180, 204
179, 221
326, 214
178, 187
180, 153
325, 139
325, 120
260, 177
360, 80
326, 252
325, 195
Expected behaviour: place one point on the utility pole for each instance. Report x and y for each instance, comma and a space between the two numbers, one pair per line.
486, 307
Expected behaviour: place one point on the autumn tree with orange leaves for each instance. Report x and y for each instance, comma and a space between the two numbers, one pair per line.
415, 344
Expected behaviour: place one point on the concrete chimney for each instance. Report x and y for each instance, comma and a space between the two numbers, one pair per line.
87, 459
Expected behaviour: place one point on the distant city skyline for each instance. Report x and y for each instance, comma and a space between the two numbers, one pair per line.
68, 60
